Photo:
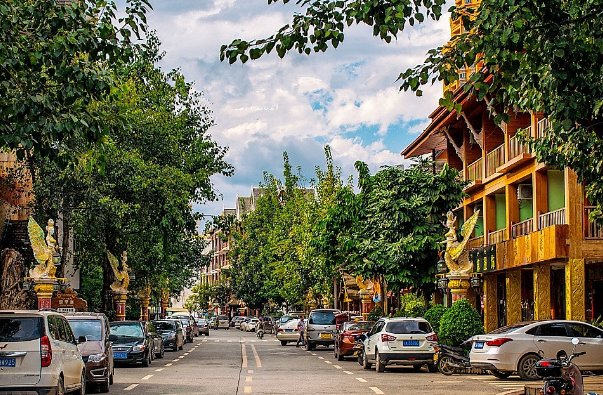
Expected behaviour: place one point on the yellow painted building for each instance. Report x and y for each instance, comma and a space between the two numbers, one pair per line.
538, 253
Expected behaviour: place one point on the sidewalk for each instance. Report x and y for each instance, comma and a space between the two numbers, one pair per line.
591, 384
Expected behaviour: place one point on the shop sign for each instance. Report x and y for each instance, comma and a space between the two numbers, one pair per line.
483, 259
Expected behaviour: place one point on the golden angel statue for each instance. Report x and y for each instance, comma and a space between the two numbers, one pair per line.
456, 256
44, 248
122, 278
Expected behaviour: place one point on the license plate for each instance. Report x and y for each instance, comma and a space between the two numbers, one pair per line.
288, 330
410, 343
325, 335
120, 355
11, 362
435, 357
478, 345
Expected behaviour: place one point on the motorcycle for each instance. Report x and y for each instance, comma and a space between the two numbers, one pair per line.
260, 333
561, 376
452, 359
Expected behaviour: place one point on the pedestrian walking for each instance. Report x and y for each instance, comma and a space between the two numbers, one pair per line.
301, 328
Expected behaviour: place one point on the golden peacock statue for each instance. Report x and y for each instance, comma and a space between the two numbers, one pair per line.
456, 255
122, 278
43, 248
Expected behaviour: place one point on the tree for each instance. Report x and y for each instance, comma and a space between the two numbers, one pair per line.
158, 159
55, 61
537, 56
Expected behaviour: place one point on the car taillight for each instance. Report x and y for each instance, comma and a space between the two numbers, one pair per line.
348, 337
188, 328
550, 389
279, 330
387, 338
498, 342
45, 351
432, 338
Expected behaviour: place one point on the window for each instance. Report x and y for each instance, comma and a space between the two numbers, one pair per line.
90, 328
557, 330
322, 318
53, 327
20, 329
581, 330
408, 327
67, 331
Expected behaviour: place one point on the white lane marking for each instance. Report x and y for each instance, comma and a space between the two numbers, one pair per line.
230, 341
131, 387
329, 362
247, 389
244, 353
147, 377
447, 382
248, 379
361, 380
216, 341
337, 366
321, 358
176, 360
376, 390
158, 370
507, 392
257, 357
168, 364
250, 371
180, 357
312, 353
186, 353
347, 372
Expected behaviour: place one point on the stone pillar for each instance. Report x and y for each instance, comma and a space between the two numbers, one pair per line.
120, 306
513, 296
574, 290
164, 306
367, 302
144, 308
542, 292
459, 286
491, 303
44, 289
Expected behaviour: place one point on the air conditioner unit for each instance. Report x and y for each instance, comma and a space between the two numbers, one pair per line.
524, 192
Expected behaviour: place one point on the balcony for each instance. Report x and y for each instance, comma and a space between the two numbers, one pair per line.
475, 242
494, 159
593, 230
516, 148
542, 127
497, 236
474, 173
546, 244
522, 228
551, 218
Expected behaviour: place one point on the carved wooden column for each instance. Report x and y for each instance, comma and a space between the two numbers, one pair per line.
44, 289
542, 292
574, 290
491, 305
513, 296
120, 306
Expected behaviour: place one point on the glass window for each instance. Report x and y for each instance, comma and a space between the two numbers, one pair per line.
510, 328
20, 329
357, 326
127, 330
322, 318
53, 327
67, 331
165, 326
582, 330
557, 330
92, 329
408, 327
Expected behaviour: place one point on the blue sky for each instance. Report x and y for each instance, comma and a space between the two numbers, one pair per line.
347, 98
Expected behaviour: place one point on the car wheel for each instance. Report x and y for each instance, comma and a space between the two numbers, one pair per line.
82, 390
60, 386
161, 352
112, 376
181, 347
147, 361
417, 368
527, 367
104, 387
310, 346
379, 364
432, 368
365, 362
445, 365
175, 348
337, 355
500, 375
283, 342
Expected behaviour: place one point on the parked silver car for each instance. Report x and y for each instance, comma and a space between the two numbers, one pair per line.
320, 328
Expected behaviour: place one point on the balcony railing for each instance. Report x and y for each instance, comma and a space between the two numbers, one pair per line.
522, 228
551, 218
542, 126
475, 242
516, 148
475, 170
592, 229
497, 236
494, 159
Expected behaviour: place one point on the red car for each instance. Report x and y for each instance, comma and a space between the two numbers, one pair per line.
347, 337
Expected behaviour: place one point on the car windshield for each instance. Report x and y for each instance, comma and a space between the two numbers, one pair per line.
322, 318
408, 327
357, 326
20, 329
509, 328
164, 326
129, 330
92, 329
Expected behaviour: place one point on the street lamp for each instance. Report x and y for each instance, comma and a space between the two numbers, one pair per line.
56, 258
443, 283
476, 282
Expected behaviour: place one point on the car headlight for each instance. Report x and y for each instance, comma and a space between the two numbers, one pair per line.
139, 347
171, 336
96, 357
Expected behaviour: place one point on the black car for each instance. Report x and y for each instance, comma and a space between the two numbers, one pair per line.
188, 327
172, 333
136, 342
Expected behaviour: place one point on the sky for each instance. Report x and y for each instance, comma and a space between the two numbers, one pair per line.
347, 97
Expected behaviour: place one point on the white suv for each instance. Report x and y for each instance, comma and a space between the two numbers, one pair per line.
400, 341
38, 353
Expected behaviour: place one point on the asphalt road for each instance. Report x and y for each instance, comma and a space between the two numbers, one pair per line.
231, 362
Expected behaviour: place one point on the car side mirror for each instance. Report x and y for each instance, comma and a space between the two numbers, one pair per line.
112, 338
82, 339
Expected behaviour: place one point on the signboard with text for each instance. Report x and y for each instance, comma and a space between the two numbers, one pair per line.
483, 259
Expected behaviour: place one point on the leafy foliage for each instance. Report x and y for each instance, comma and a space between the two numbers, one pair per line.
375, 314
459, 322
434, 316
412, 305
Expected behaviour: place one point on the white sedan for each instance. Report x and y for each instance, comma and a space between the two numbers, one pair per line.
288, 332
515, 348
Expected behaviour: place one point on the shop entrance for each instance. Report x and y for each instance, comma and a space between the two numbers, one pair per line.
501, 294
594, 291
527, 295
558, 292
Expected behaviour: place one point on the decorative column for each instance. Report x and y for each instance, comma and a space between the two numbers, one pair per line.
44, 288
542, 292
490, 303
367, 302
459, 286
574, 290
165, 299
120, 305
513, 282
144, 296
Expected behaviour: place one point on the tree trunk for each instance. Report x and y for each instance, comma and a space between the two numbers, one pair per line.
12, 295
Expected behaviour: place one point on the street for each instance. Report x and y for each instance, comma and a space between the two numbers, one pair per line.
232, 362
